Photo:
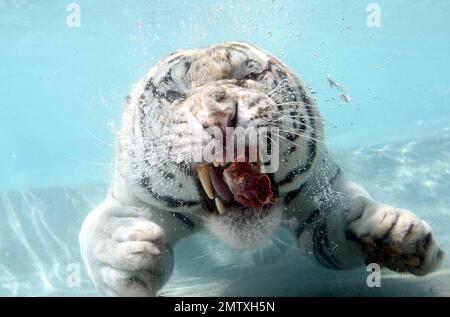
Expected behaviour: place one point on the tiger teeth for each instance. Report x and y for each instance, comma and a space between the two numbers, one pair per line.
259, 162
220, 206
258, 158
203, 175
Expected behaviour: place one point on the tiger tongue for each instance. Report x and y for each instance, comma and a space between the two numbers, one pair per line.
249, 187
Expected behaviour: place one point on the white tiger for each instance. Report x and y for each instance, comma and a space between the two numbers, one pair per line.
157, 196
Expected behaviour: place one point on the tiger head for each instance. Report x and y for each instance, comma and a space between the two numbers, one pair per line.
194, 103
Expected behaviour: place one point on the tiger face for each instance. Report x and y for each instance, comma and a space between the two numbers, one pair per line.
189, 102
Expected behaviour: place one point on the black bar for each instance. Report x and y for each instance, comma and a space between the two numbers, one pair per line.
200, 306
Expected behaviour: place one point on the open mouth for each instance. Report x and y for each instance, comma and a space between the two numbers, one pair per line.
237, 184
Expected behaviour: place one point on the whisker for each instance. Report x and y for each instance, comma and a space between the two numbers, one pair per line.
98, 139
280, 136
305, 137
214, 250
91, 163
285, 243
307, 126
277, 145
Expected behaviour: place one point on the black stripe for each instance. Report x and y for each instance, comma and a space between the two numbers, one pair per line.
312, 151
274, 186
237, 45
169, 95
250, 61
238, 50
186, 60
305, 98
312, 146
228, 55
292, 136
187, 66
332, 180
170, 201
281, 74
172, 60
313, 218
141, 121
291, 149
321, 247
172, 95
155, 92
299, 126
383, 237
293, 194
268, 67
187, 222
168, 77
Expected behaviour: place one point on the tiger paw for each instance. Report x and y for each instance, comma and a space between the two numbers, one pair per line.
126, 254
394, 238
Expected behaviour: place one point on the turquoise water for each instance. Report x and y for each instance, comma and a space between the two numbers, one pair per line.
62, 87
61, 91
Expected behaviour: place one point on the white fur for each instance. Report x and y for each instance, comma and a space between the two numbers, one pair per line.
125, 242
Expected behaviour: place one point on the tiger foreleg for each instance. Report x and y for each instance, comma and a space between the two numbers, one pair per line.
357, 230
128, 250
392, 237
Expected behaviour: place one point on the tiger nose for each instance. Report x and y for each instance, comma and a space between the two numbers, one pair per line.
221, 120
220, 112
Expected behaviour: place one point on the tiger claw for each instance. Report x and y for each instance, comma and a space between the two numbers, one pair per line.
394, 238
